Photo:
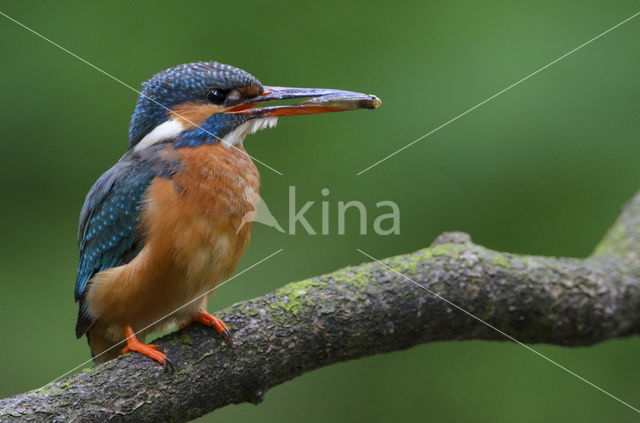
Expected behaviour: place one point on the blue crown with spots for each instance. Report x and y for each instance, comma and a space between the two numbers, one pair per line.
183, 83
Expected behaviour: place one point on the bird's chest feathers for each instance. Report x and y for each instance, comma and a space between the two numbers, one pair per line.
194, 219
217, 181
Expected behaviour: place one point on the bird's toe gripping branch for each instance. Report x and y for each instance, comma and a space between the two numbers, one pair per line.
151, 351
212, 321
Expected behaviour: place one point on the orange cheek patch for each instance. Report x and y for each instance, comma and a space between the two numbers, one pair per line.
192, 115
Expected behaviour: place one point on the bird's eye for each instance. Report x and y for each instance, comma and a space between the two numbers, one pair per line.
216, 96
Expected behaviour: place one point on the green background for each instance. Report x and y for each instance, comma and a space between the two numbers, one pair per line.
542, 169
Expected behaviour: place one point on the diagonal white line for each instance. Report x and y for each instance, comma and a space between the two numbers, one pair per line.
506, 335
497, 94
131, 88
147, 327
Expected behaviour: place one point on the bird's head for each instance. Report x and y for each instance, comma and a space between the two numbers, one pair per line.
209, 102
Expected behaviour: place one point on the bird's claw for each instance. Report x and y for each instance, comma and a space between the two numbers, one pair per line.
227, 337
167, 365
212, 321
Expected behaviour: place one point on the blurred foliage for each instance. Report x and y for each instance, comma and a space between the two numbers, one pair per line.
541, 169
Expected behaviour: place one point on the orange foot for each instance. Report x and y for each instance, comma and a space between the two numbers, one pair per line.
212, 321
151, 351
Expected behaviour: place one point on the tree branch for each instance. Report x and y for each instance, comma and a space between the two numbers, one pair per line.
356, 312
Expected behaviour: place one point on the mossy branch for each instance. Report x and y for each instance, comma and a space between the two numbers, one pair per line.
356, 312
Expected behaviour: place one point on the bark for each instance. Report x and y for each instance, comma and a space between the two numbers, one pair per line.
356, 312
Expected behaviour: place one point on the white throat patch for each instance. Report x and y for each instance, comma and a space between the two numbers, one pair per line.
166, 130
172, 128
252, 126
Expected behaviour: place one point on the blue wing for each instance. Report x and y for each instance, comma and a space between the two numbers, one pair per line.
108, 231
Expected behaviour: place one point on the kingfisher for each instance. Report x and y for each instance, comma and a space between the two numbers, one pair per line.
166, 224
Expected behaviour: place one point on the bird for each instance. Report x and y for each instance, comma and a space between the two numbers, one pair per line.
161, 229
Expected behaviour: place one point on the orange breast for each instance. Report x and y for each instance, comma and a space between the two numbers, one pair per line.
194, 236
195, 218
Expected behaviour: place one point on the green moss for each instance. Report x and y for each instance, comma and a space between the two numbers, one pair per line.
183, 341
186, 340
294, 296
500, 260
56, 389
615, 241
443, 250
291, 297
409, 263
252, 312
45, 391
355, 275
287, 306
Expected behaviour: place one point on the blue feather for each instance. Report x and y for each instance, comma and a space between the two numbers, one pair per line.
108, 232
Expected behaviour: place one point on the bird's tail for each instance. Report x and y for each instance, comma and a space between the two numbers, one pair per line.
102, 348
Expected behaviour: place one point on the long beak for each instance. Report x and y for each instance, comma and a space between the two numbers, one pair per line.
318, 100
